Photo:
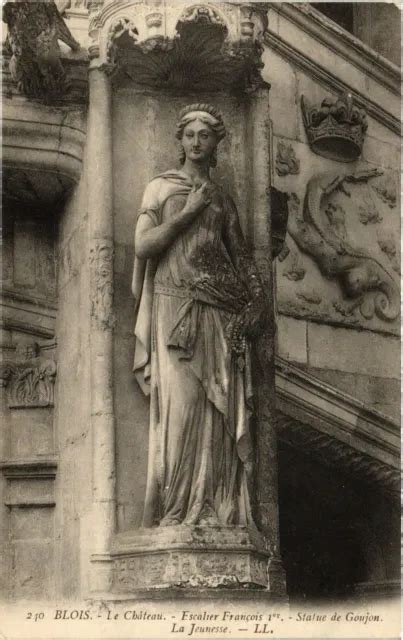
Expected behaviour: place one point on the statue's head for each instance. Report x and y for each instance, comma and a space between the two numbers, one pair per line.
200, 129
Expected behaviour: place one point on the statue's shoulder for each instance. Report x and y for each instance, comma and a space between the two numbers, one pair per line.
155, 193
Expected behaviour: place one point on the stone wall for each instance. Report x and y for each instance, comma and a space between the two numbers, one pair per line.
320, 327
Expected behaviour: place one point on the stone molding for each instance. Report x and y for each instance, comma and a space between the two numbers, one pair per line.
334, 453
39, 141
34, 469
209, 557
27, 314
341, 42
329, 80
30, 482
311, 404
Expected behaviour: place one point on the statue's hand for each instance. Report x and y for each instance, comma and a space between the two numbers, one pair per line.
198, 199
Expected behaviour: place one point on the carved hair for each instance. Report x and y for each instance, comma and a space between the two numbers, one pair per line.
213, 119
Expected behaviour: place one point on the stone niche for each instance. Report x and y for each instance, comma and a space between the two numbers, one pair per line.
158, 60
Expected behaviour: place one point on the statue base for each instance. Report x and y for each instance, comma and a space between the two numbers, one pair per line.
195, 557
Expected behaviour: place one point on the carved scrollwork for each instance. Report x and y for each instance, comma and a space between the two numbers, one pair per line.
34, 29
362, 277
101, 262
29, 379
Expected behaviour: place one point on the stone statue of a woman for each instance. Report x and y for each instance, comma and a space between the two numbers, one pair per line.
199, 302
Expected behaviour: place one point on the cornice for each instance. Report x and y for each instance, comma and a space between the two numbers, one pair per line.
309, 401
340, 455
27, 314
330, 81
29, 469
341, 42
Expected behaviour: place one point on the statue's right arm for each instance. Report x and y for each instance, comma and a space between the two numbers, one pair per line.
150, 240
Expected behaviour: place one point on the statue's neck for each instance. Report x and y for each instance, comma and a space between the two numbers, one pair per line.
196, 172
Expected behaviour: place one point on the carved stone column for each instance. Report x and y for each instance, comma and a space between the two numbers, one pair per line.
100, 214
266, 506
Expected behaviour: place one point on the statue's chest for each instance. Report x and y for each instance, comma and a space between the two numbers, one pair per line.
209, 220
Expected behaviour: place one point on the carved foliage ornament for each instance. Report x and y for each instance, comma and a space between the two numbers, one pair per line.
30, 378
320, 233
101, 262
336, 128
34, 29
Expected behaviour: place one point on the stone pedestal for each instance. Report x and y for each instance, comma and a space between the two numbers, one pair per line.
207, 557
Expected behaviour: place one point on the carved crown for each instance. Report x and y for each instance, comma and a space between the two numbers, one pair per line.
336, 129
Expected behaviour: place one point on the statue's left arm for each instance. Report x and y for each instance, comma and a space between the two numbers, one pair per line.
255, 314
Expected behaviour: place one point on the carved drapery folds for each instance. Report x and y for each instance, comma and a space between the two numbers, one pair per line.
29, 378
34, 29
336, 128
188, 48
342, 251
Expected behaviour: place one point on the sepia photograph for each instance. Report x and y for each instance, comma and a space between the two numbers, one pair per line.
200, 320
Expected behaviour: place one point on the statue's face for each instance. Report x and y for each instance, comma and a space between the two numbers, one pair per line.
198, 141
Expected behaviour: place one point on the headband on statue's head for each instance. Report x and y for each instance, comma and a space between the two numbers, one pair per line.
200, 115
204, 112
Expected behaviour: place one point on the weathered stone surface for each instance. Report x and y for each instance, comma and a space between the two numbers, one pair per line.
353, 351
31, 432
184, 556
292, 339
33, 575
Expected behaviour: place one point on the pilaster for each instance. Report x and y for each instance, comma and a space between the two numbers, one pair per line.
100, 215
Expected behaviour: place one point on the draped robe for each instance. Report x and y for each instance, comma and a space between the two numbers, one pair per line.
187, 299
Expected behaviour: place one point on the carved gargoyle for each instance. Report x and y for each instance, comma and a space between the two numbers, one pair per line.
34, 29
358, 274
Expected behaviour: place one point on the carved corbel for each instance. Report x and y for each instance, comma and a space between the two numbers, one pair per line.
34, 29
